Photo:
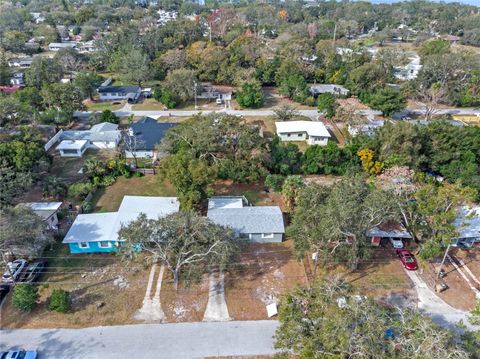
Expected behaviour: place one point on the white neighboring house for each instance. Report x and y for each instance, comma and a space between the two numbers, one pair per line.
55, 46
45, 210
129, 93
102, 136
336, 90
409, 71
313, 132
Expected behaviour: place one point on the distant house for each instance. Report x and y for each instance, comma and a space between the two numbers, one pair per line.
467, 224
146, 134
386, 230
86, 47
336, 90
258, 224
101, 136
17, 79
313, 132
22, 62
55, 46
409, 71
367, 128
129, 93
98, 232
45, 210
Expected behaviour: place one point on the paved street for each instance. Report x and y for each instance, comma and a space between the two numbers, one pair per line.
179, 340
259, 113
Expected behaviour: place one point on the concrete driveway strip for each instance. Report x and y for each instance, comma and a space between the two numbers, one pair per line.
175, 340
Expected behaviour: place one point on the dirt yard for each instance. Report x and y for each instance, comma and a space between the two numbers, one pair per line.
104, 291
262, 274
459, 293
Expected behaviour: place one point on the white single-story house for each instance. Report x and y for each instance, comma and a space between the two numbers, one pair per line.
72, 148
45, 210
129, 93
22, 62
313, 132
55, 46
101, 136
98, 232
260, 224
145, 135
468, 226
337, 90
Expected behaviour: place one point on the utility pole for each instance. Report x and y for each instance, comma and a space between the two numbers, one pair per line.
443, 261
334, 35
195, 93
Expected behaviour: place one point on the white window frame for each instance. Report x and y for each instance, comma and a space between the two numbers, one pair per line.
268, 235
109, 244
83, 245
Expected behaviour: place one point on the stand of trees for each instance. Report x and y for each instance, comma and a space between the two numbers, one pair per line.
330, 320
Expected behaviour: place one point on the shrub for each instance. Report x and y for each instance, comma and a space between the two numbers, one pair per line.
54, 187
108, 180
24, 297
275, 182
80, 190
59, 301
87, 207
138, 174
310, 101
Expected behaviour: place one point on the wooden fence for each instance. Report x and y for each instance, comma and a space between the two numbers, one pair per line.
146, 171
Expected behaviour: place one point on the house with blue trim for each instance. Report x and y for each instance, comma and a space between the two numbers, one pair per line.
98, 232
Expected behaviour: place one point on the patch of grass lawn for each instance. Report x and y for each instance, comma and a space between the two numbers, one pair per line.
101, 106
109, 199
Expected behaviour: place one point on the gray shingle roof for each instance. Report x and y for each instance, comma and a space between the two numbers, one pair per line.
119, 89
261, 219
149, 132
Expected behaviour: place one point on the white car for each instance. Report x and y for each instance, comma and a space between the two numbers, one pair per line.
397, 243
13, 270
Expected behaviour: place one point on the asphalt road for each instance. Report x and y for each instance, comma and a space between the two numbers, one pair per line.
259, 113
176, 340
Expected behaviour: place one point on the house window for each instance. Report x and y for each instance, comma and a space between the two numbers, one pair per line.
104, 244
288, 135
267, 235
300, 134
83, 245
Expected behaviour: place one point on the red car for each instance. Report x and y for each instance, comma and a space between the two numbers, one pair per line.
407, 258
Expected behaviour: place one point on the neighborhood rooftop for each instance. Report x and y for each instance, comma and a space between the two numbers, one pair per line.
149, 132
43, 209
122, 89
229, 211
98, 227
468, 222
312, 128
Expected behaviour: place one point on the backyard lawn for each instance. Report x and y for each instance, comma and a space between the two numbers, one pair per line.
67, 168
108, 199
